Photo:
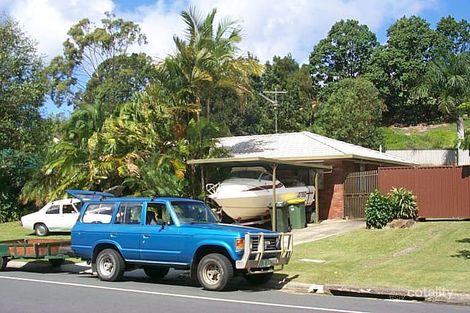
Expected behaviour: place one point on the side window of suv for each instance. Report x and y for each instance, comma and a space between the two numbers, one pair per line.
129, 213
100, 213
157, 212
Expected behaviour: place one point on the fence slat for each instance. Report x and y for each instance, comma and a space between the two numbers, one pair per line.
357, 187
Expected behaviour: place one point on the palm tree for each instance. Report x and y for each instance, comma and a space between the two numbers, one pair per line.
206, 61
448, 81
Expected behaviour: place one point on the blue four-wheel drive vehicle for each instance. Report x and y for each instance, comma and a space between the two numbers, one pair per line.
156, 234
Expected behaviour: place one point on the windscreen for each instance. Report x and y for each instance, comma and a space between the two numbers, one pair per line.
193, 212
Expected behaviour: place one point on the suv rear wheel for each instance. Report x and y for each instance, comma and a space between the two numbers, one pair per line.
110, 265
156, 273
214, 271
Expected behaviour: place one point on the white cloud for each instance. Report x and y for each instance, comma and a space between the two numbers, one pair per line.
47, 21
270, 27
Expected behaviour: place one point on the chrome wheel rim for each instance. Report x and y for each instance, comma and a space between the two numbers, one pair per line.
211, 273
41, 230
106, 266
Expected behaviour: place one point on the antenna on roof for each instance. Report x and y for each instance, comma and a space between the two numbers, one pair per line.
273, 102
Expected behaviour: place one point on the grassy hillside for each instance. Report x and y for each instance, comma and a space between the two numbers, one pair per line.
441, 136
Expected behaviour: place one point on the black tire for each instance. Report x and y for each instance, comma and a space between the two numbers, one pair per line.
3, 262
259, 279
109, 265
41, 229
56, 262
156, 273
214, 271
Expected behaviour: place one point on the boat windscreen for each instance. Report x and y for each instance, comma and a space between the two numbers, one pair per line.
246, 174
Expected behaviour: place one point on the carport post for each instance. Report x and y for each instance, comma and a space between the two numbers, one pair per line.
317, 206
273, 216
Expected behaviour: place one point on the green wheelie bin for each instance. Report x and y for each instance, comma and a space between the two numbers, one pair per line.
296, 208
282, 217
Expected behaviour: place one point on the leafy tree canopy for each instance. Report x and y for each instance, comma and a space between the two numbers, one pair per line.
396, 68
344, 53
352, 113
22, 88
88, 46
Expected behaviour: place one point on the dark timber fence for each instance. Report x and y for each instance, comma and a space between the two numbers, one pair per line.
357, 188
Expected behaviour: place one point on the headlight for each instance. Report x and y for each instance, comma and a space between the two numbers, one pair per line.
239, 244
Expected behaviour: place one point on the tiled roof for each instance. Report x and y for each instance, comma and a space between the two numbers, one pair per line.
301, 145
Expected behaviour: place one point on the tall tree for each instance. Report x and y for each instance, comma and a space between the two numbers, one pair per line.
88, 46
23, 133
453, 37
344, 53
207, 62
351, 113
396, 68
22, 88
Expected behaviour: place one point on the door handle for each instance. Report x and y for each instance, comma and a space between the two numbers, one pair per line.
113, 235
146, 236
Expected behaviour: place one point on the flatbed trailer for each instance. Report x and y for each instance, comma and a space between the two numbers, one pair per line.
51, 250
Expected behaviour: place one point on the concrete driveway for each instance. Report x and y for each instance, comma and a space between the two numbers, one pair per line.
326, 229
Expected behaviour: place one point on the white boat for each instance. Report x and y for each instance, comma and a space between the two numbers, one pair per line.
248, 193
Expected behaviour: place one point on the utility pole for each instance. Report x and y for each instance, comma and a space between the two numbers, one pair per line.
273, 102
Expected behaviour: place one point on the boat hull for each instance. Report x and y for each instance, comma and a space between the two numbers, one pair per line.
249, 205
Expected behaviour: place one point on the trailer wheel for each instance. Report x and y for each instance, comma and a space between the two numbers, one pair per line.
110, 265
156, 273
3, 262
214, 271
56, 262
41, 229
259, 279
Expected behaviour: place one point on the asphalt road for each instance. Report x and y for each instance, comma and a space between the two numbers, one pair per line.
35, 292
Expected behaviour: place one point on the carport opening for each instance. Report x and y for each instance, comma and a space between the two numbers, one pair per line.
310, 172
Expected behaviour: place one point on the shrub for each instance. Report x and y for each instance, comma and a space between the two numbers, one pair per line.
403, 203
377, 210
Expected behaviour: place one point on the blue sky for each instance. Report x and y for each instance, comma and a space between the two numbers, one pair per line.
270, 27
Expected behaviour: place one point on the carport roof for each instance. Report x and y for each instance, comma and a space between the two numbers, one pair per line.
300, 147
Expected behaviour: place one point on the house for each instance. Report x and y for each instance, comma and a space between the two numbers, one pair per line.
334, 159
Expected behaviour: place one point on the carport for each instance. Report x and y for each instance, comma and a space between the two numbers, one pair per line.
269, 163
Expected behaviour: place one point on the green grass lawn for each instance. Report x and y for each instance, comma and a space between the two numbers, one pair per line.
439, 137
428, 255
13, 230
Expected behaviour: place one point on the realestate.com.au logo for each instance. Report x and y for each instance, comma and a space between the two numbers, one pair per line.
431, 293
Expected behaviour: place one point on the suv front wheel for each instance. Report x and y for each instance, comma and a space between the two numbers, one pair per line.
110, 265
214, 271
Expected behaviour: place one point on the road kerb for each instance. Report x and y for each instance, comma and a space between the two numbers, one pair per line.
383, 293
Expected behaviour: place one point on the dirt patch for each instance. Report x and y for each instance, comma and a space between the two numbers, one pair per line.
405, 251
420, 128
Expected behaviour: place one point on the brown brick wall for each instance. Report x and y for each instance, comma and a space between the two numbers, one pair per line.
331, 197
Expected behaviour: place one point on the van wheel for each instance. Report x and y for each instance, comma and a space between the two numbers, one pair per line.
3, 262
214, 271
41, 229
259, 279
156, 273
110, 265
